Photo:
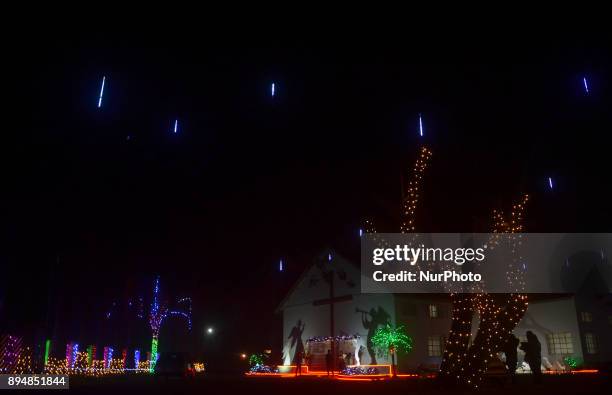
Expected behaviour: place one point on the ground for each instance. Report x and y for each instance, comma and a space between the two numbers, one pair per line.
592, 384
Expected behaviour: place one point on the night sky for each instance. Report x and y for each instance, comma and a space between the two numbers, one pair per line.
96, 202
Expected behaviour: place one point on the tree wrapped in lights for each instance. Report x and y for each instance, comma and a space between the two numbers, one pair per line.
499, 314
415, 184
410, 200
392, 340
159, 312
387, 338
466, 364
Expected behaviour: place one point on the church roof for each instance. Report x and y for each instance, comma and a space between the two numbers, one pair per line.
305, 289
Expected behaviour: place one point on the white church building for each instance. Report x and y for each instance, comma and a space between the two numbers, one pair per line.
576, 326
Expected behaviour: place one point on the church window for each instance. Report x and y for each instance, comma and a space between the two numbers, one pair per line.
433, 311
591, 343
434, 346
560, 343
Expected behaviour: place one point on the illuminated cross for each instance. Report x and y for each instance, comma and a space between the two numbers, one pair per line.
328, 276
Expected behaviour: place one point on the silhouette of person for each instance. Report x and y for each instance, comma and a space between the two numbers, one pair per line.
533, 355
348, 358
328, 361
360, 353
296, 340
341, 362
298, 364
511, 355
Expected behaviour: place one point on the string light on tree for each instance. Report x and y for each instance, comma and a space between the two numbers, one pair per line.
159, 312
465, 361
411, 199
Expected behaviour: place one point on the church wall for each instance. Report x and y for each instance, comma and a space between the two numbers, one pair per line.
349, 320
547, 318
594, 315
413, 313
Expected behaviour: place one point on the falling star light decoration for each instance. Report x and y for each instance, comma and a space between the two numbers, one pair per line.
280, 265
101, 92
360, 232
550, 182
420, 125
586, 85
175, 125
273, 89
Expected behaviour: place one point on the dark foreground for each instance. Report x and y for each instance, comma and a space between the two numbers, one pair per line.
591, 384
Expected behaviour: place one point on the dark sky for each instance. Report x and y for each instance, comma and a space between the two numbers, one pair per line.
88, 217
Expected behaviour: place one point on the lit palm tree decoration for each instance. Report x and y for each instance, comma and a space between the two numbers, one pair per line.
157, 315
392, 340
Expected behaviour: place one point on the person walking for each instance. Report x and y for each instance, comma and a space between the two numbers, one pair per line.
511, 355
329, 361
298, 364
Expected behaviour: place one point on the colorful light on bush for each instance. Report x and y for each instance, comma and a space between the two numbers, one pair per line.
71, 352
108, 356
47, 350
